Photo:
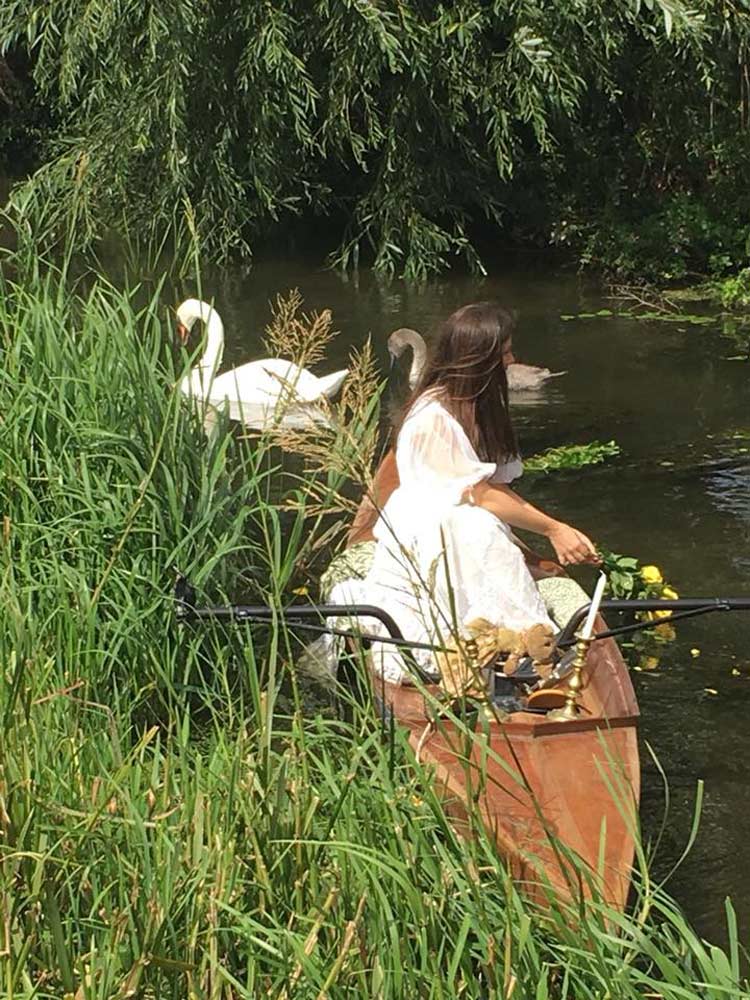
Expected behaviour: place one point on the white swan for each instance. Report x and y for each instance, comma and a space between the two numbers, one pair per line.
253, 391
520, 377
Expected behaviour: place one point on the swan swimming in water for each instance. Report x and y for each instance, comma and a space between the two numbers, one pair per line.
521, 378
257, 392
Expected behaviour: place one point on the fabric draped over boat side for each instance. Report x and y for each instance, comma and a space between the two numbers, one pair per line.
439, 561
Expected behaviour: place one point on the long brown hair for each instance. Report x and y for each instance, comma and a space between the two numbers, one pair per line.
465, 369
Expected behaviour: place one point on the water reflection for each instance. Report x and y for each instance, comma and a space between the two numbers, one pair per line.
729, 489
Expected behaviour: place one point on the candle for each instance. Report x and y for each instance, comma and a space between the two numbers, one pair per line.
588, 626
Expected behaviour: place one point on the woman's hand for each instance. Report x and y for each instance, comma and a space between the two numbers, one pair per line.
571, 545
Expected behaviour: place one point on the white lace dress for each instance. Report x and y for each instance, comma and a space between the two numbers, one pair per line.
440, 561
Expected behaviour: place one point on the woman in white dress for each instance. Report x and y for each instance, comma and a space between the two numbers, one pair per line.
445, 554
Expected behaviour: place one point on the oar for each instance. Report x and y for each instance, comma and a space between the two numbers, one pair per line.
681, 607
311, 617
294, 615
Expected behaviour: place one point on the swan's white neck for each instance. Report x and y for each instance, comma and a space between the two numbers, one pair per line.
204, 372
418, 359
398, 342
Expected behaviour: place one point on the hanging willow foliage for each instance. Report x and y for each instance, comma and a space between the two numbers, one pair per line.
409, 121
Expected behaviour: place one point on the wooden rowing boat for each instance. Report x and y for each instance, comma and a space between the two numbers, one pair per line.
547, 789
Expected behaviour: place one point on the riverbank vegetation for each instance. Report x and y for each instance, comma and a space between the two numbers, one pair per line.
181, 813
408, 137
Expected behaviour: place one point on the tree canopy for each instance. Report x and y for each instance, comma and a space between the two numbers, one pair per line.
411, 127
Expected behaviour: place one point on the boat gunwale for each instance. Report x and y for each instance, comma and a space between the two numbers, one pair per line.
536, 725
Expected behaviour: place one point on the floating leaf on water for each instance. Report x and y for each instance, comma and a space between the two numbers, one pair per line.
572, 456
665, 317
568, 317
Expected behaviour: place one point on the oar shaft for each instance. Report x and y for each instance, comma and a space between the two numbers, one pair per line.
265, 613
691, 605
249, 612
316, 614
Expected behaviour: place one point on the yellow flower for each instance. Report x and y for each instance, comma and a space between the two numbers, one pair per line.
666, 631
651, 574
652, 616
648, 662
669, 594
695, 652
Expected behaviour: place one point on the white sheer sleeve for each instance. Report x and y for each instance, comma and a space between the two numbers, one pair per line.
506, 472
435, 456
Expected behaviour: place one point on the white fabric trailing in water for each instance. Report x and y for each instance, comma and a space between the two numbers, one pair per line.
440, 561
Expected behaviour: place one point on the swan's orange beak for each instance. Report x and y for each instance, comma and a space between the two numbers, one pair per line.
182, 333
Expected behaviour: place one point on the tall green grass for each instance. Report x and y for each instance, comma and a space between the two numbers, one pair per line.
177, 817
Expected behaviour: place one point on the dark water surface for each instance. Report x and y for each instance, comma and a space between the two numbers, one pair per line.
679, 497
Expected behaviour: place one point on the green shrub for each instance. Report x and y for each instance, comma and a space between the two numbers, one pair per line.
419, 132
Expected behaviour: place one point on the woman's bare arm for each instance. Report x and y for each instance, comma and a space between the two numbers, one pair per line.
570, 544
539, 566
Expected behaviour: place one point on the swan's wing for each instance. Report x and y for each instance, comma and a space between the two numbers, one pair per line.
273, 379
301, 382
528, 376
329, 385
257, 381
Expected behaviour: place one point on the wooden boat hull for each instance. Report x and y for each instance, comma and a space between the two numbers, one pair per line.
543, 789
548, 791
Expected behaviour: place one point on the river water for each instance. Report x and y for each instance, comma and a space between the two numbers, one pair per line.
678, 497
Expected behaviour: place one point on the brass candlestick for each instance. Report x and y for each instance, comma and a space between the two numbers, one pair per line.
472, 651
486, 709
569, 711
